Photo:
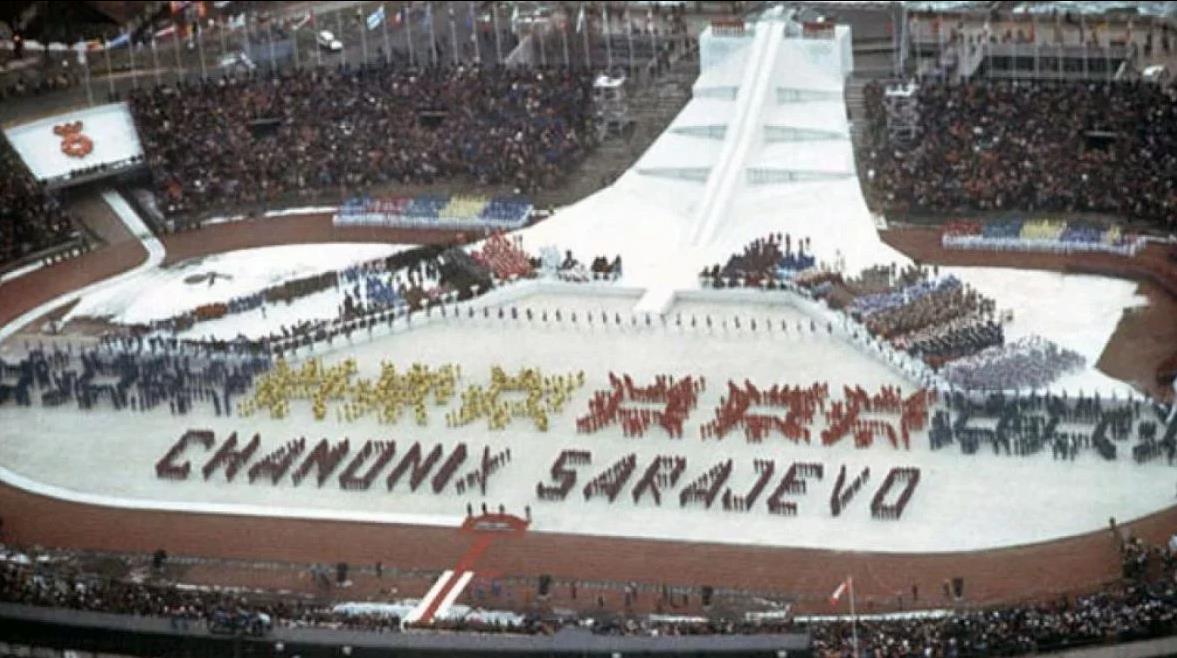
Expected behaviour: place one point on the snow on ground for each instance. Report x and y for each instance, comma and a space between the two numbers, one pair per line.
1078, 311
963, 502
110, 127
164, 292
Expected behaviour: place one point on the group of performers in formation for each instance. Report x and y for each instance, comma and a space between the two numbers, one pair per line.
132, 374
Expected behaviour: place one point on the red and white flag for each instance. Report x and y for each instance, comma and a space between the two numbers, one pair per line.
842, 587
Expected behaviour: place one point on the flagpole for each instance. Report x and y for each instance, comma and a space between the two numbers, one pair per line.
315, 40
939, 43
89, 89
247, 42
853, 618
1037, 58
294, 42
629, 37
608, 42
155, 60
988, 54
270, 38
200, 48
409, 33
384, 28
1060, 47
588, 58
543, 52
363, 36
653, 22
1083, 43
176, 42
131, 53
432, 34
494, 16
564, 41
109, 72
1107, 51
339, 24
453, 36
474, 34
915, 42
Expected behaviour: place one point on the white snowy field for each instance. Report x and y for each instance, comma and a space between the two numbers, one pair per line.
110, 127
165, 291
963, 502
1078, 311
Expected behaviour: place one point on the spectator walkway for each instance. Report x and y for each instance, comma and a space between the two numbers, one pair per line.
144, 238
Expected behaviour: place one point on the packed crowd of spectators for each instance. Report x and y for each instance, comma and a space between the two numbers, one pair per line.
50, 585
31, 219
995, 145
252, 139
1142, 605
1119, 615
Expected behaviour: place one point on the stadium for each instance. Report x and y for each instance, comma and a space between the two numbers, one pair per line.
416, 328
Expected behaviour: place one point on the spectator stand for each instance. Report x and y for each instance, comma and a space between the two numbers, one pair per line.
1042, 235
34, 225
1051, 147
519, 129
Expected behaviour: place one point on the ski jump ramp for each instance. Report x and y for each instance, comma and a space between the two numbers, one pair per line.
763, 147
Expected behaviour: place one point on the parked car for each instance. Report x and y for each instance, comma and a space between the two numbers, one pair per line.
326, 40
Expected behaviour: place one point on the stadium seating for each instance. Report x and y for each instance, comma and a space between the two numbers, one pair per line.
512, 127
31, 219
1003, 146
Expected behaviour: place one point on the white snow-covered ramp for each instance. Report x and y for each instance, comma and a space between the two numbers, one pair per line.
763, 146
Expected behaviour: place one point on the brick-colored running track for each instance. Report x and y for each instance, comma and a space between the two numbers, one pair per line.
1007, 575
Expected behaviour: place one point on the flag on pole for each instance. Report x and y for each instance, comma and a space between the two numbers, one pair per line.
376, 18
842, 587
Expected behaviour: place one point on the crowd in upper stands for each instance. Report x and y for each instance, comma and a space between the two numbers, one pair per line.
31, 219
993, 145
253, 139
48, 79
